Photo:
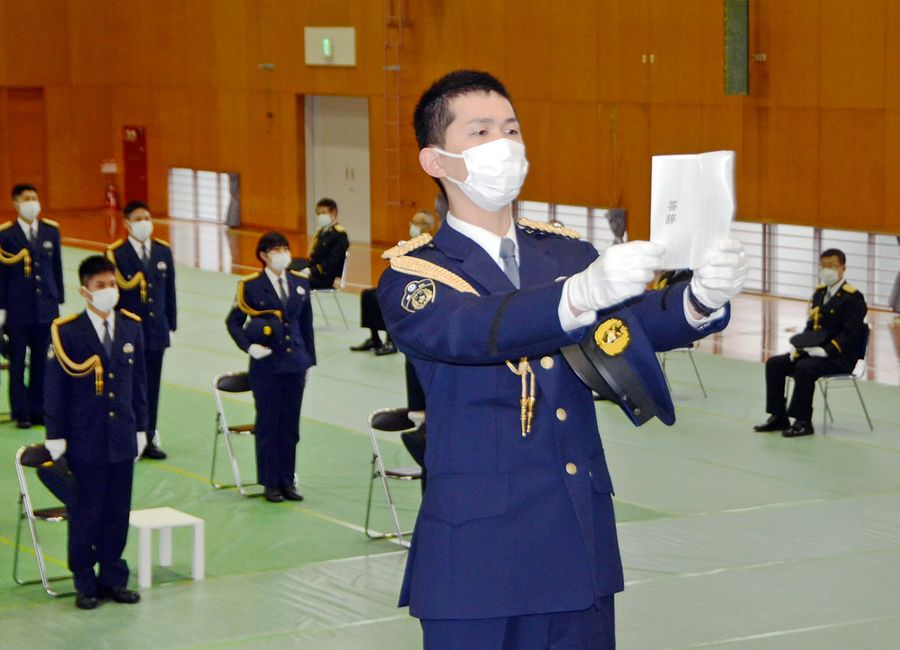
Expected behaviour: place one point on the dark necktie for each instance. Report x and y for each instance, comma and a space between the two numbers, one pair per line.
107, 339
31, 236
508, 257
282, 291
145, 258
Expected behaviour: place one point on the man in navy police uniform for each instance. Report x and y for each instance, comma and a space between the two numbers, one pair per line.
515, 543
31, 291
145, 272
96, 414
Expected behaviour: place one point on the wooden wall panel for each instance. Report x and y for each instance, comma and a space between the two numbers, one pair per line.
631, 167
788, 164
527, 57
676, 35
623, 75
788, 34
675, 129
747, 175
891, 222
537, 126
892, 58
852, 53
573, 50
573, 159
23, 140
34, 41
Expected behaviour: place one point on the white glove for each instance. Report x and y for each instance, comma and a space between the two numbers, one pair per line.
816, 352
621, 272
141, 442
2, 317
723, 275
258, 351
304, 273
56, 447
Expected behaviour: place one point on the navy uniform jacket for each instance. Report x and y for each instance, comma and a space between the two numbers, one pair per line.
327, 253
98, 428
511, 525
288, 332
31, 287
147, 292
841, 319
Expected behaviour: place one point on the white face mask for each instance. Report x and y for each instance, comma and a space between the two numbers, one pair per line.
29, 210
497, 170
828, 276
141, 230
323, 220
278, 262
105, 299
414, 230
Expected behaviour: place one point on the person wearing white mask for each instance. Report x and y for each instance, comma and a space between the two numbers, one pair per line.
370, 313
328, 250
145, 271
31, 291
515, 543
831, 343
96, 414
272, 322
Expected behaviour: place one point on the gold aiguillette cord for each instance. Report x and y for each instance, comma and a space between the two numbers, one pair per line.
526, 402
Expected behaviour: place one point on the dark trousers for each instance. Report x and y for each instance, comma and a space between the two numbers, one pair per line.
805, 370
153, 360
98, 524
27, 401
370, 314
588, 629
278, 399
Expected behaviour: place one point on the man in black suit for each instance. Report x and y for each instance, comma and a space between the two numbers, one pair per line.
831, 344
328, 250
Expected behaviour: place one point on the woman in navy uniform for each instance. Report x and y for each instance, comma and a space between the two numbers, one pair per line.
96, 414
145, 272
31, 290
272, 322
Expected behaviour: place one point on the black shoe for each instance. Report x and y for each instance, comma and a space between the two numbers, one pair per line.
799, 428
153, 452
290, 493
368, 344
37, 418
774, 423
388, 348
83, 601
120, 594
24, 423
274, 495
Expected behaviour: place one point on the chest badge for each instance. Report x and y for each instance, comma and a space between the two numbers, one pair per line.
162, 266
128, 348
301, 291
48, 245
418, 295
612, 337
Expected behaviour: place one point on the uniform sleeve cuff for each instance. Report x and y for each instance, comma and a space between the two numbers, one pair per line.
567, 320
699, 323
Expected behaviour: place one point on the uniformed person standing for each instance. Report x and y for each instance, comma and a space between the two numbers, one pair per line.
515, 543
328, 251
830, 344
272, 322
31, 290
97, 416
145, 272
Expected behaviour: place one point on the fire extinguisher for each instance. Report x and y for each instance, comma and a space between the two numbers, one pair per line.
112, 196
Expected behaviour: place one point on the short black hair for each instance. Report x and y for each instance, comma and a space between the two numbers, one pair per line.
834, 252
268, 241
327, 203
21, 188
94, 265
135, 205
432, 115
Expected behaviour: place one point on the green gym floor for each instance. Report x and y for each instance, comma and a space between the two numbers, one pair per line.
730, 539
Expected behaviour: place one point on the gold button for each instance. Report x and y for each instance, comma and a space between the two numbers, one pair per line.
111, 395
111, 376
112, 414
150, 301
152, 314
571, 468
546, 363
561, 415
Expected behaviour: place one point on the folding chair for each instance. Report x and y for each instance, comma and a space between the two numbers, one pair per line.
33, 457
334, 292
230, 382
858, 372
389, 421
690, 354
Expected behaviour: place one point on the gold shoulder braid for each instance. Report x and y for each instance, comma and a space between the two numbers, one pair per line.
407, 246
22, 256
247, 309
426, 269
137, 279
553, 229
92, 364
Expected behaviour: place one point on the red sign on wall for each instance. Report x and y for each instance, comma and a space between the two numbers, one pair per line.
134, 146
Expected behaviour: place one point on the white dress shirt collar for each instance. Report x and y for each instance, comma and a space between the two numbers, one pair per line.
97, 322
140, 246
28, 228
275, 278
831, 291
484, 238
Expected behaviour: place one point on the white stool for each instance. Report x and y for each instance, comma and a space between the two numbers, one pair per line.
164, 520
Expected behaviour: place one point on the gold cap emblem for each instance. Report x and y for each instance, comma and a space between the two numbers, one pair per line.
612, 336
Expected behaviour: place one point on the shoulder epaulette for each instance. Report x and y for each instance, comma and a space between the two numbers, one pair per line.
115, 244
338, 228
6, 225
62, 320
297, 274
130, 314
249, 276
93, 364
550, 228
426, 269
51, 222
821, 287
162, 242
849, 288
405, 247
241, 303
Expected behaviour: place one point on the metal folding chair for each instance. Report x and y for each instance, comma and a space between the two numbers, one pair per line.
689, 350
33, 457
858, 372
334, 293
231, 382
389, 421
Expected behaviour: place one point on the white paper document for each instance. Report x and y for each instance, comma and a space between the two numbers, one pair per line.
692, 204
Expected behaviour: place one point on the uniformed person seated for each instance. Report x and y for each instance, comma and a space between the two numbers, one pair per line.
145, 272
31, 291
830, 344
96, 414
272, 322
328, 250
